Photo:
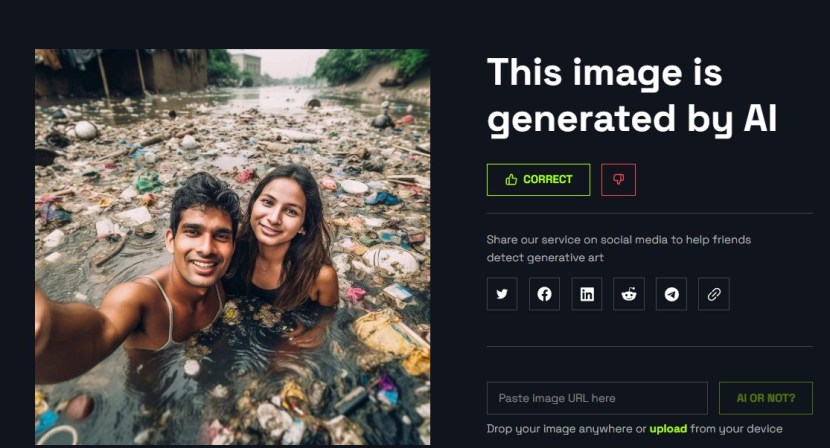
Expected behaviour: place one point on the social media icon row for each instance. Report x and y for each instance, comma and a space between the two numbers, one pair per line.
629, 294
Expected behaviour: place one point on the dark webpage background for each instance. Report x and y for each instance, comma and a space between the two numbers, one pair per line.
777, 281
753, 48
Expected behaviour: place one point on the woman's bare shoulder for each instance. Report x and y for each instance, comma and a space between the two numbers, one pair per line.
326, 287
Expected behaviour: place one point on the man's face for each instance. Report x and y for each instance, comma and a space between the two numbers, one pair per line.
203, 246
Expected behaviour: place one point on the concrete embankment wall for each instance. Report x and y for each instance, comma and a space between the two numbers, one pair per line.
164, 71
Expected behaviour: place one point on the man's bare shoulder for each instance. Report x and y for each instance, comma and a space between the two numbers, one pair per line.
137, 292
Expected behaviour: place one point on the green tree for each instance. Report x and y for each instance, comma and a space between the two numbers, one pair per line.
343, 65
220, 66
410, 61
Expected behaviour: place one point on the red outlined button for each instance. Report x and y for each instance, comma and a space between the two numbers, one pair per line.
618, 179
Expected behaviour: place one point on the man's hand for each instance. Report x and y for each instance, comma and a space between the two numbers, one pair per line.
43, 321
71, 338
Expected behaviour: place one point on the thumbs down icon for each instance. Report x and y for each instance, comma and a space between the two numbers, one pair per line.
618, 178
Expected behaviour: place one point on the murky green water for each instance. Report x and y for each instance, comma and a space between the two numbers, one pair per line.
278, 100
150, 396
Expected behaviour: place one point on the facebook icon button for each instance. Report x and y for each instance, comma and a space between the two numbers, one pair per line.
544, 294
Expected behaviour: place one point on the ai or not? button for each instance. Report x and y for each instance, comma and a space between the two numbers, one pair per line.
538, 179
765, 397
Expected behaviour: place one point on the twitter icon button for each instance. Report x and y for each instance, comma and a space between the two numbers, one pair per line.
502, 294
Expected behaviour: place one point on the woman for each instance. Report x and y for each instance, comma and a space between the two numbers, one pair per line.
282, 251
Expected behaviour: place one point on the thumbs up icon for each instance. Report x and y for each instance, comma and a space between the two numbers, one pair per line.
510, 180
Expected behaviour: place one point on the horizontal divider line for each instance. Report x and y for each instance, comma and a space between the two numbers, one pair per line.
650, 346
650, 213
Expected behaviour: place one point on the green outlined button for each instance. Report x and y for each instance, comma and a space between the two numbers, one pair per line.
538, 179
765, 397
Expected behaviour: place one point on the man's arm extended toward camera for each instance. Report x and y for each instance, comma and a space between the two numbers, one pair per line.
72, 338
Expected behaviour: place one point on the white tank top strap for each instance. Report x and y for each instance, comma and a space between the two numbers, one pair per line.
170, 342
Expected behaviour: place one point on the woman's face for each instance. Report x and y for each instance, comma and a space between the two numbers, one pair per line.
279, 212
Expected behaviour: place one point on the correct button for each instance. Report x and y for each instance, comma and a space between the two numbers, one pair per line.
538, 179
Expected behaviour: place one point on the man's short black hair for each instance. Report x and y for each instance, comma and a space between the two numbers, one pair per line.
204, 190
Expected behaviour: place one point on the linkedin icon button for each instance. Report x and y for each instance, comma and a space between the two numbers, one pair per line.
586, 294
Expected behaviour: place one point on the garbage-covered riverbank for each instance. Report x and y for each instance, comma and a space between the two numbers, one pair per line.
103, 188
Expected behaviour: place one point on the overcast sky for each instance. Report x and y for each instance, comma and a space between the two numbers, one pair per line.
285, 63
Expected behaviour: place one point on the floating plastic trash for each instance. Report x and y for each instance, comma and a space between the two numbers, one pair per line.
271, 418
46, 421
381, 197
417, 362
372, 222
191, 367
129, 193
105, 227
391, 260
355, 294
136, 216
424, 431
41, 405
317, 395
143, 438
51, 210
354, 187
53, 239
294, 399
344, 431
57, 430
145, 230
295, 432
386, 391
297, 136
57, 140
146, 182
245, 175
384, 331
219, 391
389, 236
398, 292
231, 316
80, 407
351, 400
85, 130
328, 183
188, 142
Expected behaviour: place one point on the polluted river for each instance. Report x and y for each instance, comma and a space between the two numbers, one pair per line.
104, 178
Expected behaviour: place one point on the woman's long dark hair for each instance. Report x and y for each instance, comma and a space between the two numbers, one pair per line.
306, 254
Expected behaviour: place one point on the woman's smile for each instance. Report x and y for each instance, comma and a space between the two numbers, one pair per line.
269, 231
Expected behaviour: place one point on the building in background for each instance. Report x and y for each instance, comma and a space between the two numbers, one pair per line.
247, 63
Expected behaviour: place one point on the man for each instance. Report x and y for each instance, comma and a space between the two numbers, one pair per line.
151, 312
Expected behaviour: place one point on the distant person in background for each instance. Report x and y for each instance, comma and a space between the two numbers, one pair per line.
155, 311
383, 120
